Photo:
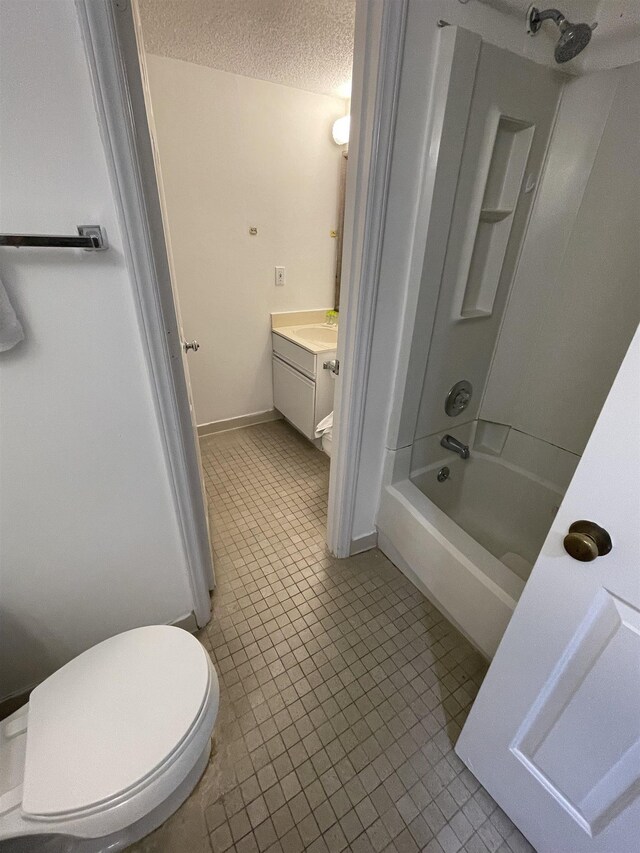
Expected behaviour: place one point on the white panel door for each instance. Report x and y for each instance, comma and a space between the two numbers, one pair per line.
554, 734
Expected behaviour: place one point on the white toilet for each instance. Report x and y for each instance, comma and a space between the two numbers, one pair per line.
108, 746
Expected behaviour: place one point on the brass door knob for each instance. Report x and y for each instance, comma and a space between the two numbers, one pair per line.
586, 540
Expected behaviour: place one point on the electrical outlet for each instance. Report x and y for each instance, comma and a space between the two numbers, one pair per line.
280, 276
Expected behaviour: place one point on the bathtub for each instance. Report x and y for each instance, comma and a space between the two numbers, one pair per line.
470, 541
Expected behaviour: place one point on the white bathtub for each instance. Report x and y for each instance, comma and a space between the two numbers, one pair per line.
503, 507
469, 542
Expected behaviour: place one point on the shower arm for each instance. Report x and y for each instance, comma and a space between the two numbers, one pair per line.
552, 14
537, 17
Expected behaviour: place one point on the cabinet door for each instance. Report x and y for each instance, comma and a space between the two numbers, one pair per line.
294, 396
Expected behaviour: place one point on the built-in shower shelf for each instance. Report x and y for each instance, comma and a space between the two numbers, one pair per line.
496, 194
493, 214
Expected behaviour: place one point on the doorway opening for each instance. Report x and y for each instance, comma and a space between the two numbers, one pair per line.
248, 107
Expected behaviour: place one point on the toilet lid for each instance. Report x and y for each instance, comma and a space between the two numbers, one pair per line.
106, 720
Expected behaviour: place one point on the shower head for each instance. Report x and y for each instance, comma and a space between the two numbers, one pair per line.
573, 37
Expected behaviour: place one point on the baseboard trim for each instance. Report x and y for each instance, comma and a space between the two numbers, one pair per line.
363, 543
238, 423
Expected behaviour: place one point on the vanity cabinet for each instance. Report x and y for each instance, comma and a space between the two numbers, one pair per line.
302, 388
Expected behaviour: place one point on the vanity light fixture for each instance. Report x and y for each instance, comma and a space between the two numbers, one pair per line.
340, 130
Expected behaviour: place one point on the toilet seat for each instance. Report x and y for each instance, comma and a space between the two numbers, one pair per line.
82, 751
116, 739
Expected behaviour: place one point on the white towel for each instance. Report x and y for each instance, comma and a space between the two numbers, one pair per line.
11, 332
325, 427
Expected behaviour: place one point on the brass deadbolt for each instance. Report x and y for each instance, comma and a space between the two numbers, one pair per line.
586, 540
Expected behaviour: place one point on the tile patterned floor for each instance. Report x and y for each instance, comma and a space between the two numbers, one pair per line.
342, 687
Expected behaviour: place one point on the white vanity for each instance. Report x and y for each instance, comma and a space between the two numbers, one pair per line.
302, 388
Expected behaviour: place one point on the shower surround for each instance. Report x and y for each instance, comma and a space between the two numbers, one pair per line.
530, 162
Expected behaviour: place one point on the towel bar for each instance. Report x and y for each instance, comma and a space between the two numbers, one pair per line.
92, 238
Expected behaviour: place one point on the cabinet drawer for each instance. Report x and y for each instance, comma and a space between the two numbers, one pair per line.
293, 354
294, 395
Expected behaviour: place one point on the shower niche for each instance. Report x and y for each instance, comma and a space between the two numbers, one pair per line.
500, 175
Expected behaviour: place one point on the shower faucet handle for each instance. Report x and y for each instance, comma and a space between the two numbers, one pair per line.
458, 398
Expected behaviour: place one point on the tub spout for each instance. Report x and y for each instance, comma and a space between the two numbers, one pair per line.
458, 447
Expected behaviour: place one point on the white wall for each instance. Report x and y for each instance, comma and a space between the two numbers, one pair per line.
617, 41
89, 541
237, 152
575, 303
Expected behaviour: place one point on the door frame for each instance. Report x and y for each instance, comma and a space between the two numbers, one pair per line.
378, 52
108, 30
109, 41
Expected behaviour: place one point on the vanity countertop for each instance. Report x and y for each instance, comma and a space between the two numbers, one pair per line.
314, 337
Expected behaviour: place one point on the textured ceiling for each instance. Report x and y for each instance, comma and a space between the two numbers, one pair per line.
307, 44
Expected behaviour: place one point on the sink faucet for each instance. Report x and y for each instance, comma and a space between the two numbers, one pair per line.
458, 447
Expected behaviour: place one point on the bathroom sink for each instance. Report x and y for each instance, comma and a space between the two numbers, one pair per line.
313, 335
317, 334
